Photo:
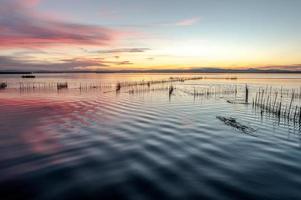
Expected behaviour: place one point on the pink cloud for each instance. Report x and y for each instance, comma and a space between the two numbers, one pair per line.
23, 26
188, 22
31, 3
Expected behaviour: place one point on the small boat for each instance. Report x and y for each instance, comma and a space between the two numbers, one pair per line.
28, 76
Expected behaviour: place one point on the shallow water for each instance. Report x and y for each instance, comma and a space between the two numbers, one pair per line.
96, 143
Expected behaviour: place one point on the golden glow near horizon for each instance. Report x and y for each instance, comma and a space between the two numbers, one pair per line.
222, 35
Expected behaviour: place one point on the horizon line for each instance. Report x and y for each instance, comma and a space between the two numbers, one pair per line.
205, 70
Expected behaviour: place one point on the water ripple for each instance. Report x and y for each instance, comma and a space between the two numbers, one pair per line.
110, 146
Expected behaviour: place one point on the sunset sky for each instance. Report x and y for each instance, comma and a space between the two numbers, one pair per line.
149, 34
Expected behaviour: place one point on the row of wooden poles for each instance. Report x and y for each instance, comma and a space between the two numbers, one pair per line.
119, 85
275, 103
126, 84
196, 92
210, 91
40, 85
165, 81
56, 85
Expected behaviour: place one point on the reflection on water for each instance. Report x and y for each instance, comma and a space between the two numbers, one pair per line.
145, 143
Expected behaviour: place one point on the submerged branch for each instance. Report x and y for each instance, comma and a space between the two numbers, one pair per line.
233, 123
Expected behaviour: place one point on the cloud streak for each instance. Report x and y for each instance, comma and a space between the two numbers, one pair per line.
188, 22
16, 63
293, 67
21, 26
124, 50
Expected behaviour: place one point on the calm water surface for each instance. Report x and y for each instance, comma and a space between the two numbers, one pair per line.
96, 143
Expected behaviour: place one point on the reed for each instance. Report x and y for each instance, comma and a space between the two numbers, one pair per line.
170, 91
292, 99
118, 87
268, 101
247, 95
127, 84
154, 82
211, 91
275, 100
94, 85
146, 89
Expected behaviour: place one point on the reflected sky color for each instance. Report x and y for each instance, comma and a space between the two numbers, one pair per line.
144, 142
141, 34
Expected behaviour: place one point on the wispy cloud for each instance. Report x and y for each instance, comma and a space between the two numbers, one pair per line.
293, 67
183, 22
22, 25
124, 50
188, 22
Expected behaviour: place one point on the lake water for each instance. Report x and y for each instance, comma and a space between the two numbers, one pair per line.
91, 141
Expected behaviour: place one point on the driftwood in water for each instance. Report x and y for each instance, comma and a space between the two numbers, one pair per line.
233, 123
237, 102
